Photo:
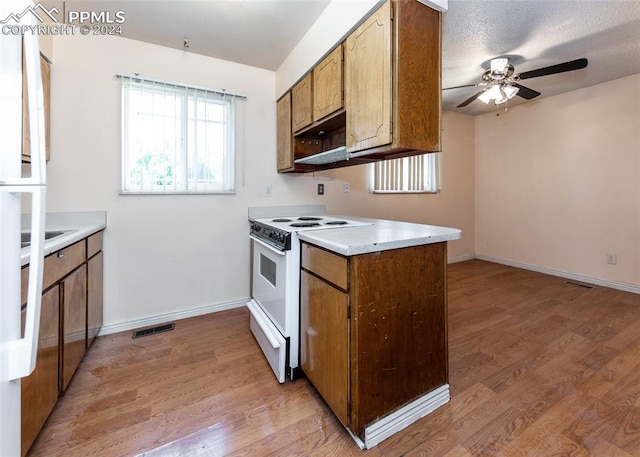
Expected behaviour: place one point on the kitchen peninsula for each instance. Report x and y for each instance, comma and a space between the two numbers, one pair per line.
373, 313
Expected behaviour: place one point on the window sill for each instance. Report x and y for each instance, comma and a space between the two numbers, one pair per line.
166, 193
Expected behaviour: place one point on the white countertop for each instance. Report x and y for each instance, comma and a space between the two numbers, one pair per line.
79, 225
380, 236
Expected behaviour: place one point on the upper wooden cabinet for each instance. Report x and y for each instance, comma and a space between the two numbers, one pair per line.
327, 85
376, 96
285, 139
45, 69
368, 77
301, 107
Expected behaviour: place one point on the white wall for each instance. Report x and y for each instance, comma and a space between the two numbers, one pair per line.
452, 207
163, 254
558, 182
555, 183
330, 28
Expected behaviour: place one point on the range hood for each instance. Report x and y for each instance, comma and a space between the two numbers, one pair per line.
325, 157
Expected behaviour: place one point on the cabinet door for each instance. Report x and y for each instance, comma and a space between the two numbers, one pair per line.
368, 79
40, 389
324, 345
301, 107
284, 141
327, 85
94, 296
74, 322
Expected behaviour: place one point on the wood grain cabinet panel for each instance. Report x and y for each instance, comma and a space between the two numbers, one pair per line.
368, 79
284, 136
301, 104
327, 85
74, 322
325, 342
62, 262
40, 388
395, 313
94, 244
377, 93
331, 267
72, 309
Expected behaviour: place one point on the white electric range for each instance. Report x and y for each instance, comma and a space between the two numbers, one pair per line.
275, 287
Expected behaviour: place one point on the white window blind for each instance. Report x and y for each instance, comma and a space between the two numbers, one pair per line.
177, 139
415, 174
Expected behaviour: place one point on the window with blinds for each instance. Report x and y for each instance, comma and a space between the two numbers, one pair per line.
177, 139
415, 174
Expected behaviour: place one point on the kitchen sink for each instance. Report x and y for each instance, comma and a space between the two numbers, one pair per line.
25, 239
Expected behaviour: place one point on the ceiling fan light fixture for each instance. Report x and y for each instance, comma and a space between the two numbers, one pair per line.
493, 93
507, 92
510, 91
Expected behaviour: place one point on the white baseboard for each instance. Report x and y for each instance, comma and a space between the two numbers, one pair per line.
563, 274
461, 258
183, 314
163, 318
398, 420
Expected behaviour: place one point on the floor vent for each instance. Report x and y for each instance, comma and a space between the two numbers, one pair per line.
586, 286
153, 330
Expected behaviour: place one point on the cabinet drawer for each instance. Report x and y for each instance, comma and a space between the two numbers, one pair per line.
94, 244
62, 262
325, 264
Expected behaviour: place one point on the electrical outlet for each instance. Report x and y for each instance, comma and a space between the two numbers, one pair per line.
612, 258
345, 188
320, 189
268, 190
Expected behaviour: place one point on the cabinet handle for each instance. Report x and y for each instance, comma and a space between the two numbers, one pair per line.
60, 254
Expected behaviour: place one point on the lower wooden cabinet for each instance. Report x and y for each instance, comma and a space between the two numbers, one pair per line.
71, 318
74, 322
40, 389
325, 342
373, 335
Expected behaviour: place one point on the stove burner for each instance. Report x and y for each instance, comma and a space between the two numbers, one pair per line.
309, 218
281, 220
304, 224
336, 223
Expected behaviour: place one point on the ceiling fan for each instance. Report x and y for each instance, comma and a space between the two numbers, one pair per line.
500, 81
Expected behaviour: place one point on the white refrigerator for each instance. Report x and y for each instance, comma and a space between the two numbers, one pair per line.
17, 347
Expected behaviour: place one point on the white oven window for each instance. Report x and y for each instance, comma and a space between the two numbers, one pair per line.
268, 269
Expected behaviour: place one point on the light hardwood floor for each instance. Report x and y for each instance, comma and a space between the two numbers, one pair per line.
538, 367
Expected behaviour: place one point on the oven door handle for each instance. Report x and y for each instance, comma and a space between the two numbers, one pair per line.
271, 248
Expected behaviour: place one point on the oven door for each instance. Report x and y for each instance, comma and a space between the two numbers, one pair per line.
269, 283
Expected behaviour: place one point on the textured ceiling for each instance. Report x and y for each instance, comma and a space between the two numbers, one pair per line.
535, 34
532, 33
260, 33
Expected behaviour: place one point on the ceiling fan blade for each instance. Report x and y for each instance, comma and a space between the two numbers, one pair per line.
553, 69
459, 87
469, 100
525, 92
